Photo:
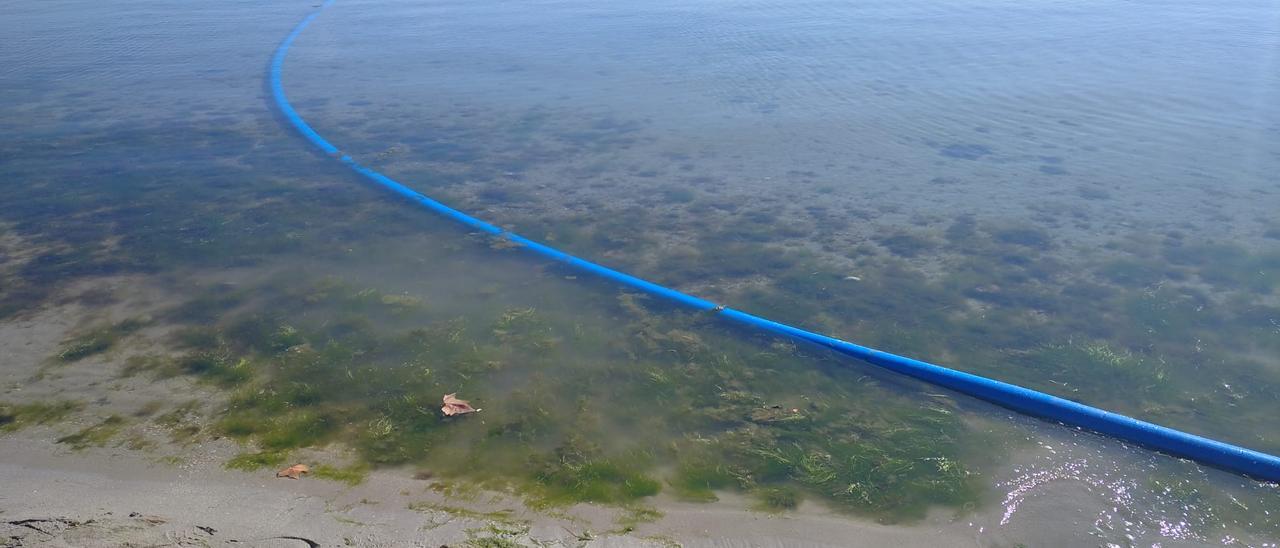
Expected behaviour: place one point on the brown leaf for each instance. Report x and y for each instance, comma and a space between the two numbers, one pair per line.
294, 472
454, 406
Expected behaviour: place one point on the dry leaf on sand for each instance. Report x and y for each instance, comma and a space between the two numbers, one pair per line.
454, 406
294, 472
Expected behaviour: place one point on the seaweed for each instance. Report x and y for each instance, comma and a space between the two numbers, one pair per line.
906, 244
14, 417
351, 475
95, 436
98, 340
250, 462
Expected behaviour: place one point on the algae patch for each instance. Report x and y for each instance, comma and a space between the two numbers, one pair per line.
14, 417
95, 436
98, 340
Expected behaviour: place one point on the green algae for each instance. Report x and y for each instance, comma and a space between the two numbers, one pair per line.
777, 499
1138, 331
136, 441
14, 417
95, 436
217, 367
294, 377
496, 516
574, 473
253, 461
351, 475
906, 244
314, 381
1115, 374
98, 340
699, 476
633, 516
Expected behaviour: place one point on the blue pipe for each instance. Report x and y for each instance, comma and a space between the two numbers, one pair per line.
1023, 400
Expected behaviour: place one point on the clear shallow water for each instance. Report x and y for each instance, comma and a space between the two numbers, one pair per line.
848, 131
1168, 105
819, 127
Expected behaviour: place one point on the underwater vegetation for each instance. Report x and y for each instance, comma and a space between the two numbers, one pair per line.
1002, 295
1134, 332
350, 475
1177, 329
191, 206
14, 417
330, 366
95, 436
98, 340
906, 244
323, 362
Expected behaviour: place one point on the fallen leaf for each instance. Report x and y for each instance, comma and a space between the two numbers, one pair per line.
294, 472
454, 406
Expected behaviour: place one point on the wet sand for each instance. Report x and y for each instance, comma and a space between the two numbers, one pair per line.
112, 497
54, 498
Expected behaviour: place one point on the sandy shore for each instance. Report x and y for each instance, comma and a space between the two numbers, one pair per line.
143, 487
52, 497
181, 495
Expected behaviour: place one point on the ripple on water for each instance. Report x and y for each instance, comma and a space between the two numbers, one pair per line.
1125, 496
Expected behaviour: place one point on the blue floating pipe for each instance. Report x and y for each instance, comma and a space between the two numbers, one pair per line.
1023, 400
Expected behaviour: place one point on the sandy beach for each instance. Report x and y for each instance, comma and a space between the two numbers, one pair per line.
113, 498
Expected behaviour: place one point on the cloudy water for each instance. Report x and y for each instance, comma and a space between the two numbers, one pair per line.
1077, 197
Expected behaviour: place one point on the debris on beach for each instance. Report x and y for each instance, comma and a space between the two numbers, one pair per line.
454, 406
294, 472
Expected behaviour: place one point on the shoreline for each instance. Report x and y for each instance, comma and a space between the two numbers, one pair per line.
173, 491
110, 497
181, 493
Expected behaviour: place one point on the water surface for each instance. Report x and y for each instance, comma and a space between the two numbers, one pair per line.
1073, 196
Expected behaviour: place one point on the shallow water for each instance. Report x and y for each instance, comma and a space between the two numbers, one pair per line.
1076, 197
